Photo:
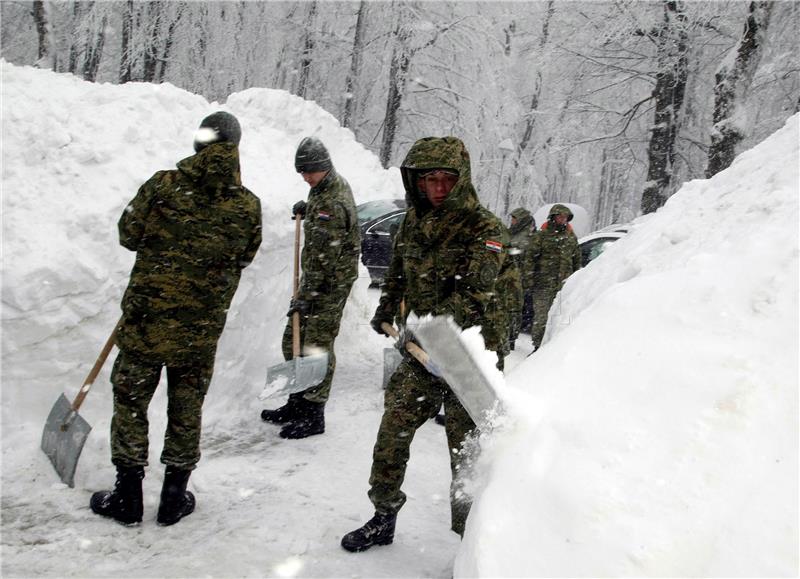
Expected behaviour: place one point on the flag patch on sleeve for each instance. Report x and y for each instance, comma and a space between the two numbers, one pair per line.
323, 216
494, 246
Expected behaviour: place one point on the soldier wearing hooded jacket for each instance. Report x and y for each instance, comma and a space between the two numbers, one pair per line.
330, 266
554, 256
523, 230
446, 259
193, 229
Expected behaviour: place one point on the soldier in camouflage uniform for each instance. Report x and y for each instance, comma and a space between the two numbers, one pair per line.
330, 266
523, 230
193, 229
446, 259
554, 256
505, 309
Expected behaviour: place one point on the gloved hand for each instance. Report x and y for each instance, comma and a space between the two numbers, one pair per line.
406, 336
301, 306
299, 207
378, 319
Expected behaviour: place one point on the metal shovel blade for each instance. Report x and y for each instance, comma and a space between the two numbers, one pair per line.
391, 360
469, 380
64, 435
295, 375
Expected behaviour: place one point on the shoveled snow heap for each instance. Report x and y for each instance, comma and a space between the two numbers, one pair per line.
659, 434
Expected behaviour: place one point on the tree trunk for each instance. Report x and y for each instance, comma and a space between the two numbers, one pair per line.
308, 49
126, 51
44, 59
168, 41
351, 83
74, 48
673, 41
398, 71
94, 51
732, 85
151, 51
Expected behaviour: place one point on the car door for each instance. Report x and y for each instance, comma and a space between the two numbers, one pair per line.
376, 244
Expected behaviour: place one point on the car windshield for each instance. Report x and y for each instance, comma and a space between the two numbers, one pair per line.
372, 209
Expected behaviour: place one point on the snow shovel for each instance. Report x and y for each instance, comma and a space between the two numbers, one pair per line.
475, 384
301, 372
420, 354
65, 431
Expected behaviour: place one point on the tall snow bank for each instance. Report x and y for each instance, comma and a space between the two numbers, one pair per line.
659, 431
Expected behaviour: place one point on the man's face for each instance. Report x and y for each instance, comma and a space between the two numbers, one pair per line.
561, 219
314, 178
437, 185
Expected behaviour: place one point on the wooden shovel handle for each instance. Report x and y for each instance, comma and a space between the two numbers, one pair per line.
296, 287
98, 365
412, 348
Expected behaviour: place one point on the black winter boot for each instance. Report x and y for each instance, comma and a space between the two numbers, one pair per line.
310, 421
379, 530
285, 413
176, 501
124, 503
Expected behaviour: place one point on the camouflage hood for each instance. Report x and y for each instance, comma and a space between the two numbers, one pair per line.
215, 166
524, 220
439, 153
559, 209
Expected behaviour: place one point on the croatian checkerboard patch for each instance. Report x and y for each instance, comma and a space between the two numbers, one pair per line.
494, 246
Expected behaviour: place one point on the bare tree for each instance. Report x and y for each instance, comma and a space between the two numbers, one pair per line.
733, 80
93, 50
672, 42
45, 58
126, 57
533, 108
351, 82
308, 50
398, 73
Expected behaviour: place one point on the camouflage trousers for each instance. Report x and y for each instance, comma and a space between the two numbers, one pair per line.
412, 397
318, 330
542, 301
135, 381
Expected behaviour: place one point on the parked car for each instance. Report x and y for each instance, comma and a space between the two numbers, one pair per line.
379, 221
594, 244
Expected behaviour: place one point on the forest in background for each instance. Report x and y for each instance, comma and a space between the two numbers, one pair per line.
608, 104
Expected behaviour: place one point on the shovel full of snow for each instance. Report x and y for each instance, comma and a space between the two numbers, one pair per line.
475, 381
65, 431
301, 372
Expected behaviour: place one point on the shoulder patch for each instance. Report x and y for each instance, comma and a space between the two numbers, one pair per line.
323, 216
488, 275
494, 246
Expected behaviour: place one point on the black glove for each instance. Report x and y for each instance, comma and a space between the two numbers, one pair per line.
299, 207
379, 319
302, 307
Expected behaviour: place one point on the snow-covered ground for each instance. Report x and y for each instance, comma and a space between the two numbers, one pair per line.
654, 434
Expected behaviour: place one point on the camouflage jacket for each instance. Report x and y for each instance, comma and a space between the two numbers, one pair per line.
554, 256
193, 230
505, 309
522, 236
445, 260
332, 243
